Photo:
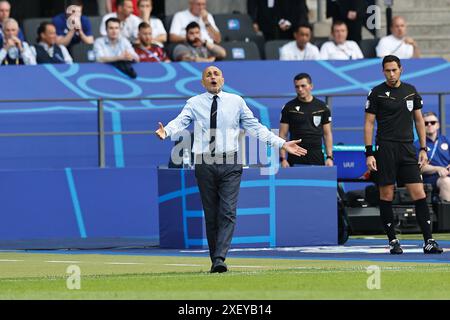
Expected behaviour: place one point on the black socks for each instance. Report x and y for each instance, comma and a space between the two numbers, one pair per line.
423, 218
387, 218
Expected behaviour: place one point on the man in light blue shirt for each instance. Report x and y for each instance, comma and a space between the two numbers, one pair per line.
115, 49
217, 116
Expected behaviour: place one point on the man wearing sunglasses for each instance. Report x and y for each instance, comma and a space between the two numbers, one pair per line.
436, 171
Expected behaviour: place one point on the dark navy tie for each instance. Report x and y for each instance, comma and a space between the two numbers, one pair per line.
213, 126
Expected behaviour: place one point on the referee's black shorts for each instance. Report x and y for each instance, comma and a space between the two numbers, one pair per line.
313, 157
396, 162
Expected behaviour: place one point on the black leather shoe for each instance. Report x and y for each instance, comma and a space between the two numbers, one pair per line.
219, 266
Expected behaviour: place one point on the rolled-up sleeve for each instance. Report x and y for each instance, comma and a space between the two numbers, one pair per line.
256, 129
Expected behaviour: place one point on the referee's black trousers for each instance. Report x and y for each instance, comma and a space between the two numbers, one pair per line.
219, 189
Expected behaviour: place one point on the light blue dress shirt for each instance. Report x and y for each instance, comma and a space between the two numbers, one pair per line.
103, 47
232, 112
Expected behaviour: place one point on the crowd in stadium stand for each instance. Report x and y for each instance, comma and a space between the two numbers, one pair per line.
193, 33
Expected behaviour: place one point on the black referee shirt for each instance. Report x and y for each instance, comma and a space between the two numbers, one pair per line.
393, 108
306, 120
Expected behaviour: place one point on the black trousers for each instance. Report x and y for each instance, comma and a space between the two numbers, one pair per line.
219, 189
313, 157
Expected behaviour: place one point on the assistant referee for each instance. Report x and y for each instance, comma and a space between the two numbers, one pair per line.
395, 105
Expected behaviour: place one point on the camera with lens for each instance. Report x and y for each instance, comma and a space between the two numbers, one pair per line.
74, 17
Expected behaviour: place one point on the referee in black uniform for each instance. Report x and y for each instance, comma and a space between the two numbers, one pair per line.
395, 105
308, 119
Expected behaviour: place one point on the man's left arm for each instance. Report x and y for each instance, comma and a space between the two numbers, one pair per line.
328, 140
211, 27
420, 128
256, 129
85, 31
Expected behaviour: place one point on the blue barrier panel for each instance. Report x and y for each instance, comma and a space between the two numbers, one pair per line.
78, 204
295, 207
250, 78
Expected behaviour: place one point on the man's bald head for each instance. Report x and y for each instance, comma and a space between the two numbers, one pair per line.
212, 79
398, 27
5, 10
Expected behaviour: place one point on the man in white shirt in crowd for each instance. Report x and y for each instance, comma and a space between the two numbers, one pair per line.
340, 48
14, 50
129, 23
301, 48
196, 12
398, 43
159, 33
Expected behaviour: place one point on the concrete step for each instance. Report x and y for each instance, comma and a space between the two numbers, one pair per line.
420, 4
428, 29
434, 43
429, 15
446, 56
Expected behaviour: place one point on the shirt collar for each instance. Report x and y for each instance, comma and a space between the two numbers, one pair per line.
429, 139
210, 95
45, 46
109, 42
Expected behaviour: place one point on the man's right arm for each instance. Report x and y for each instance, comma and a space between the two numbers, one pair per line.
283, 133
430, 169
181, 122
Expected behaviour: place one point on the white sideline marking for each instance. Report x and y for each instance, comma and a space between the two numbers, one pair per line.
183, 265
8, 260
248, 266
58, 261
124, 263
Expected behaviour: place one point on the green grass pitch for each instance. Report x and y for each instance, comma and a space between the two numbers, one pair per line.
43, 276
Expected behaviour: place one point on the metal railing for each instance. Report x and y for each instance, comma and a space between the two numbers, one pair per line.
101, 133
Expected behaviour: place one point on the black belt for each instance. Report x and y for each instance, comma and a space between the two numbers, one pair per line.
218, 158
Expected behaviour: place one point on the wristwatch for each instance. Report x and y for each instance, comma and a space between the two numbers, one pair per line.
424, 149
330, 157
282, 159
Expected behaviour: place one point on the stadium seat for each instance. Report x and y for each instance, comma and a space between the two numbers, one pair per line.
272, 49
83, 53
30, 27
319, 41
95, 24
241, 50
237, 27
368, 47
169, 47
167, 22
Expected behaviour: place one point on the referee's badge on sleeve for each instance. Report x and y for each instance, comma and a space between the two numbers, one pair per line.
410, 104
317, 120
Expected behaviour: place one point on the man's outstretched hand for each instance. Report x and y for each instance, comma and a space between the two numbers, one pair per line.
161, 133
293, 148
